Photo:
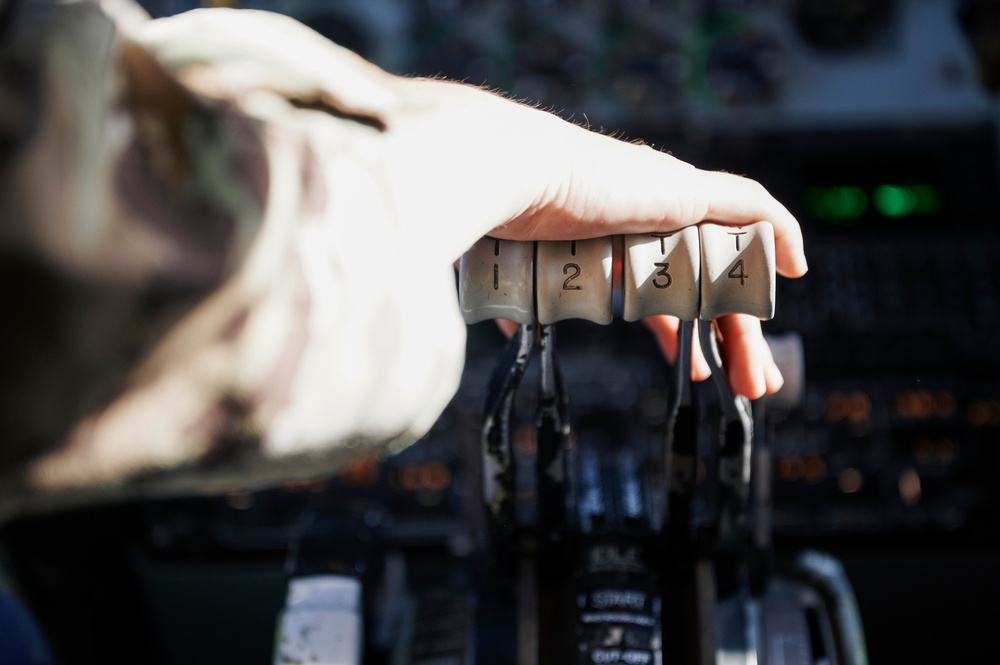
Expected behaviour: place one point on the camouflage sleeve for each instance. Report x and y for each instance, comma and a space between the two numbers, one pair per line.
207, 283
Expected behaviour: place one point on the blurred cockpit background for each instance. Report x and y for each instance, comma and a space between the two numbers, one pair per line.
874, 121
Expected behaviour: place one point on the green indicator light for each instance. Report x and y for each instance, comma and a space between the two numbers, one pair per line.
894, 201
850, 202
816, 202
841, 204
929, 199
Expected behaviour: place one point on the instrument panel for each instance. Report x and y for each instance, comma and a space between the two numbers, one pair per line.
874, 121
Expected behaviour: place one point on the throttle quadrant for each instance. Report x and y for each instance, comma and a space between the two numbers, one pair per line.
700, 272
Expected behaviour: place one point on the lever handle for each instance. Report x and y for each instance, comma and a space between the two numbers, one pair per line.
496, 281
702, 272
737, 270
574, 280
663, 274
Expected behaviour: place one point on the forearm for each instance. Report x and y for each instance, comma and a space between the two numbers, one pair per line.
234, 323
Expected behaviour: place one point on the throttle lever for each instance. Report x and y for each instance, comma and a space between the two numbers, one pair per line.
736, 438
738, 277
680, 452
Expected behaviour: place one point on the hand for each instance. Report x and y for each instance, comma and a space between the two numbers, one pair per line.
514, 172
460, 162
750, 368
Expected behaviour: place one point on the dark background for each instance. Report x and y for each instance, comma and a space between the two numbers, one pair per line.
874, 121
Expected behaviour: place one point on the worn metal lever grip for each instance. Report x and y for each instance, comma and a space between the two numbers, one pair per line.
737, 270
662, 275
574, 280
496, 281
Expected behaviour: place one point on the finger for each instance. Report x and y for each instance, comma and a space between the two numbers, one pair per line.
664, 329
700, 371
772, 374
738, 200
665, 332
750, 367
613, 187
507, 327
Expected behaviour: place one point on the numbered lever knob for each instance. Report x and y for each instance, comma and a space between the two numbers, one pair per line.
496, 281
574, 280
662, 274
737, 270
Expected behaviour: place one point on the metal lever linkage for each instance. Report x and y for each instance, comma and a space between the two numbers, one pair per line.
553, 463
499, 465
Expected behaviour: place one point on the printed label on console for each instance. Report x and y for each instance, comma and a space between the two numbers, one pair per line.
629, 657
628, 599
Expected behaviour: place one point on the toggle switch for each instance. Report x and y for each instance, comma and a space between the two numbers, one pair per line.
574, 280
496, 281
737, 270
662, 274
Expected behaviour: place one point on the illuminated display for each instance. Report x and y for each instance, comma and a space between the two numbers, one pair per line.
843, 204
836, 203
904, 201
